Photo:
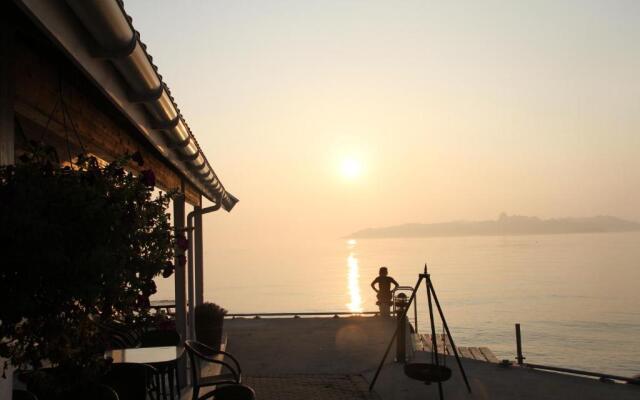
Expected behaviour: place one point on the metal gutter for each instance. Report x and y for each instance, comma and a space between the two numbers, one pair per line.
116, 42
194, 274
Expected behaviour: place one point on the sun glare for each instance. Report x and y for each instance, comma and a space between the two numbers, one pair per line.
354, 284
351, 168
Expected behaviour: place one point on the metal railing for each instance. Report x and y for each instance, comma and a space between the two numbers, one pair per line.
602, 376
405, 290
335, 314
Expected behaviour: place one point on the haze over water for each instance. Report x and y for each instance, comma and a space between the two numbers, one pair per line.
576, 295
325, 117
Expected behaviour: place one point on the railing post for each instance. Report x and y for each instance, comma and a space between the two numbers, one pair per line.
415, 315
519, 356
400, 303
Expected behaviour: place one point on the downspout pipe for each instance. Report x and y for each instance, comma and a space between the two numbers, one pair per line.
196, 213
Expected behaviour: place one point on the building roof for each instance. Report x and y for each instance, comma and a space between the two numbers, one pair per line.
113, 47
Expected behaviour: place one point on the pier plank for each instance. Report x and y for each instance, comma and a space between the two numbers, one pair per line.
447, 344
488, 354
441, 344
426, 341
416, 343
464, 352
445, 347
477, 354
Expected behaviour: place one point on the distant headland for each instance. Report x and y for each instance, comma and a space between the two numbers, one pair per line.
503, 225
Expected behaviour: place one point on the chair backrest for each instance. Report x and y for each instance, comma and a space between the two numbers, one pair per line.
234, 392
201, 350
200, 353
159, 338
129, 380
94, 392
194, 359
119, 335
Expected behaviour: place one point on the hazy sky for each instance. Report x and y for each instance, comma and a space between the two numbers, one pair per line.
454, 110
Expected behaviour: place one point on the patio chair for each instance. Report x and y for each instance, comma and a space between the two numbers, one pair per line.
23, 395
158, 338
200, 355
132, 381
231, 392
119, 335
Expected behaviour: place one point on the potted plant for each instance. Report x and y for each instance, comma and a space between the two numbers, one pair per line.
209, 320
82, 245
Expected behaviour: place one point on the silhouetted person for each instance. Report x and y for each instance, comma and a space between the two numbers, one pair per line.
384, 290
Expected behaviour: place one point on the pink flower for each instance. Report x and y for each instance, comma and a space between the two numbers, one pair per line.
137, 157
182, 242
148, 178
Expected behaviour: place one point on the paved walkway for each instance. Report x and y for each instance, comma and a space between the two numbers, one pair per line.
492, 382
326, 358
276, 346
310, 387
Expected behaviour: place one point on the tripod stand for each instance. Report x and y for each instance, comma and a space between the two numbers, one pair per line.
431, 374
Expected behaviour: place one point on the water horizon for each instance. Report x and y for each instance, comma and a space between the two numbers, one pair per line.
573, 294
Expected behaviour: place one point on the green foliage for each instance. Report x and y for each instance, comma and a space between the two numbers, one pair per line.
209, 311
80, 245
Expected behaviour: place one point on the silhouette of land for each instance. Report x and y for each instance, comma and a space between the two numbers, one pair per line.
503, 225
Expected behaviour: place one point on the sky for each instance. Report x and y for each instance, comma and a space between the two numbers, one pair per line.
440, 111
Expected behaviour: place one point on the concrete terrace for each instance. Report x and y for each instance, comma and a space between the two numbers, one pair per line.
335, 358
308, 358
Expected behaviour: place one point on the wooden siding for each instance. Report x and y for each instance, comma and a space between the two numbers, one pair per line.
6, 90
42, 78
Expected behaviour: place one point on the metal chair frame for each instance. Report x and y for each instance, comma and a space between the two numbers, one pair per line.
197, 353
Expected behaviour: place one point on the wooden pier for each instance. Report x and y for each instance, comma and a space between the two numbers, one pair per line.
423, 342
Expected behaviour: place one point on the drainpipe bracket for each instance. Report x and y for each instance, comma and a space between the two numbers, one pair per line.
148, 97
165, 125
121, 52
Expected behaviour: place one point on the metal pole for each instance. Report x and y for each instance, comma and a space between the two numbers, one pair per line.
415, 315
519, 357
634, 381
197, 244
446, 327
190, 280
386, 353
433, 335
196, 216
180, 279
401, 344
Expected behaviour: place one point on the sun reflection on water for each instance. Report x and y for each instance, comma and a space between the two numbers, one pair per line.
353, 277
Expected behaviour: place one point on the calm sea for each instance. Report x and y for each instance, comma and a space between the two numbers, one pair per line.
575, 296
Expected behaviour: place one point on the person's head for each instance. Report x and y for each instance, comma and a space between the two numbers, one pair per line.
384, 271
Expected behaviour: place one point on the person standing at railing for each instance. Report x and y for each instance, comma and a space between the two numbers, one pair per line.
384, 290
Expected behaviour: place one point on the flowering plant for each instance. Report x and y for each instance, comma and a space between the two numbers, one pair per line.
81, 245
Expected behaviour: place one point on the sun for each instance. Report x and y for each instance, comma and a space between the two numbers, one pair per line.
351, 168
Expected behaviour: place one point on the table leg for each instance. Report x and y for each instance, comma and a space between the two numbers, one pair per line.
170, 377
163, 386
